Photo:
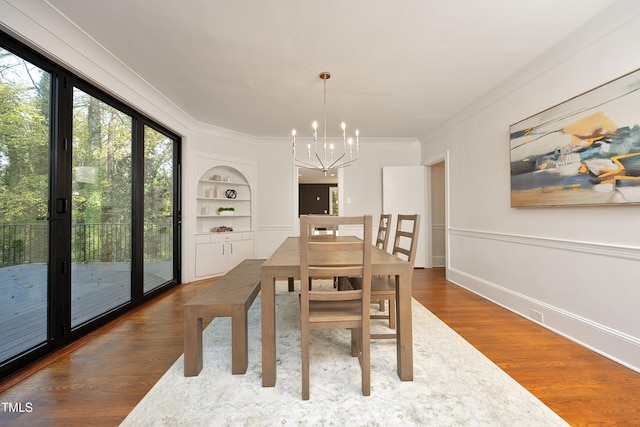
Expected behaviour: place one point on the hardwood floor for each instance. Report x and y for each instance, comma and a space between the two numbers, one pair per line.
581, 386
98, 380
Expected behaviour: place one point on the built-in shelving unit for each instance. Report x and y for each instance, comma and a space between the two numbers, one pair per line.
224, 187
224, 237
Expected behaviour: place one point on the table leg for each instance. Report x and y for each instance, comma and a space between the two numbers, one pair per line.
404, 326
268, 307
192, 343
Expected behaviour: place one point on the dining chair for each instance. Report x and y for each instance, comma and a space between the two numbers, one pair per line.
328, 308
318, 230
382, 239
384, 288
324, 230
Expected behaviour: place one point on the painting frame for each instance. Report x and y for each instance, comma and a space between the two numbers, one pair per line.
584, 151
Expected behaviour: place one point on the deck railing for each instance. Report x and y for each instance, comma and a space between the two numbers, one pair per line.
102, 242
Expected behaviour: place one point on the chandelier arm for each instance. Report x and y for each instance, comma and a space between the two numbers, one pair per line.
309, 165
343, 165
321, 162
332, 165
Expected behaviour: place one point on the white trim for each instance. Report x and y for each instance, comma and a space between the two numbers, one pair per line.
601, 336
279, 228
592, 248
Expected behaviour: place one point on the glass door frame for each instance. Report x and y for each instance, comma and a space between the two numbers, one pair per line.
59, 331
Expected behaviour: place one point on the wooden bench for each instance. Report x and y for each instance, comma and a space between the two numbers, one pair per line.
229, 296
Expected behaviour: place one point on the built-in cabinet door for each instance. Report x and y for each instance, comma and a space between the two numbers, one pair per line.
238, 251
217, 254
210, 259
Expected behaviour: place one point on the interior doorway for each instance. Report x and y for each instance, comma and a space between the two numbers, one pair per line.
318, 193
438, 210
438, 216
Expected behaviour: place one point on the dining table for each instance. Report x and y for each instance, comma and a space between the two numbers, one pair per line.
284, 264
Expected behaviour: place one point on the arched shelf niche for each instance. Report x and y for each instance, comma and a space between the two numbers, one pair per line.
224, 218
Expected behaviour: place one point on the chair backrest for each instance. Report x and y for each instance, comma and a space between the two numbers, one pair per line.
405, 242
334, 256
382, 240
323, 228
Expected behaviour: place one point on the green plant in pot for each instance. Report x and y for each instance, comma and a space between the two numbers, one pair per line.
225, 211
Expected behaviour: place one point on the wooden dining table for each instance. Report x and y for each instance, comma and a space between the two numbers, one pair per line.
284, 263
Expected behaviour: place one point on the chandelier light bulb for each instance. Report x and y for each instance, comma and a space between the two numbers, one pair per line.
293, 148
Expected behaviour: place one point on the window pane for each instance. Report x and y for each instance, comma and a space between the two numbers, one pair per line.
24, 199
101, 208
158, 209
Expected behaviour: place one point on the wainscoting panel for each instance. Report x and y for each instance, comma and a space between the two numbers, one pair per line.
585, 291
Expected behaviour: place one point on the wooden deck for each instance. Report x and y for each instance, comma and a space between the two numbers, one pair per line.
96, 288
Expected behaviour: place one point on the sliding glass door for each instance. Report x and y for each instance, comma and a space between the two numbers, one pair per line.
100, 208
159, 206
24, 202
89, 207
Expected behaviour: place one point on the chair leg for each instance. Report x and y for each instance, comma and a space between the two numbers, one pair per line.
365, 365
304, 340
361, 348
392, 314
355, 345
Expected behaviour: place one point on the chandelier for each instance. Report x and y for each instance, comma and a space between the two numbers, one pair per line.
326, 155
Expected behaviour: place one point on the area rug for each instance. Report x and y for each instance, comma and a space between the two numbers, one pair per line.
453, 385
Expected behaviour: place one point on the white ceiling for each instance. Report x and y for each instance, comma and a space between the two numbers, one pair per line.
399, 68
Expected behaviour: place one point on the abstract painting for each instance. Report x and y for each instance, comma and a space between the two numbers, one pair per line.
584, 151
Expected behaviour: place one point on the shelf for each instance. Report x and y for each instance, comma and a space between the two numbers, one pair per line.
207, 214
210, 181
224, 216
209, 233
220, 199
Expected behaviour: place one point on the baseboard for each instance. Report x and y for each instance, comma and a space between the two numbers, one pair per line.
612, 344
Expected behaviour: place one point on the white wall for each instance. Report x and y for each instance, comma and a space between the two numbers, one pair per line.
277, 197
361, 183
363, 180
577, 266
